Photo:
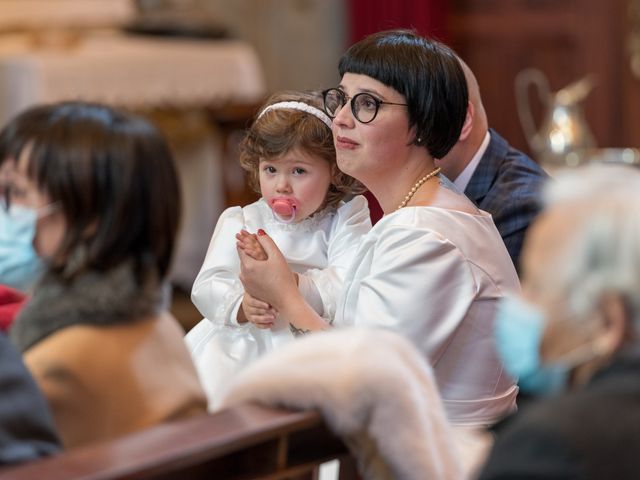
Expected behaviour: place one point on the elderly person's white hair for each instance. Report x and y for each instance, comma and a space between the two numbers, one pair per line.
599, 250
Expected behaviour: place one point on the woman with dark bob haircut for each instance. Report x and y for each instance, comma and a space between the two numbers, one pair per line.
434, 267
97, 191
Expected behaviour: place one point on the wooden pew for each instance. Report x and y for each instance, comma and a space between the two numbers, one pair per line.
244, 442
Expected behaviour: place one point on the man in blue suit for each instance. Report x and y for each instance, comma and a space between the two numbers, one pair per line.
495, 176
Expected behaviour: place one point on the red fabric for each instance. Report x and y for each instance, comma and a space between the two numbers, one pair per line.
427, 17
375, 211
10, 303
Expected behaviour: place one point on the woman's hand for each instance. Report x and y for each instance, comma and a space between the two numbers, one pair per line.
270, 280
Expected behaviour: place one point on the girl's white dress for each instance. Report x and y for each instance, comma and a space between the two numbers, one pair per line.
320, 249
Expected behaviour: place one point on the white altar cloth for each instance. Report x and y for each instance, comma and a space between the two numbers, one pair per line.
128, 70
144, 73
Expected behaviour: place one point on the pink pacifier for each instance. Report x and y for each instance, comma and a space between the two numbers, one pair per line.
284, 209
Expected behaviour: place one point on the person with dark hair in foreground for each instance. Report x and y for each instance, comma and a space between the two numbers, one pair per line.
99, 191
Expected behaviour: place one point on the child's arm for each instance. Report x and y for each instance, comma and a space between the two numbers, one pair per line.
217, 291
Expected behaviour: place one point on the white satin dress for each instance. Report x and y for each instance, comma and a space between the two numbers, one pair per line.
320, 249
435, 276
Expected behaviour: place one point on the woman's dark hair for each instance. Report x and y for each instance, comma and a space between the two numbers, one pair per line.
112, 175
426, 72
278, 131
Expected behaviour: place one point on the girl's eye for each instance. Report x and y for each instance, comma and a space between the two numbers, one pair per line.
299, 171
269, 169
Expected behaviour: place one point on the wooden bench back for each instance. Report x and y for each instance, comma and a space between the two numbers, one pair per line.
244, 442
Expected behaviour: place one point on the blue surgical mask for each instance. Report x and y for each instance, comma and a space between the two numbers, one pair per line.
518, 335
20, 265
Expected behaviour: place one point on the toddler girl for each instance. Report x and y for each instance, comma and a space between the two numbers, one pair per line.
289, 155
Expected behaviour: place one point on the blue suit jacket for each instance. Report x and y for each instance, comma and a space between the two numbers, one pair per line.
507, 184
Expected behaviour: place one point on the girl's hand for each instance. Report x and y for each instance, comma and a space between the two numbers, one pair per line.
261, 314
270, 280
249, 243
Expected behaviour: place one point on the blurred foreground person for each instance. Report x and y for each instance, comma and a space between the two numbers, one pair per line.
27, 431
573, 336
98, 190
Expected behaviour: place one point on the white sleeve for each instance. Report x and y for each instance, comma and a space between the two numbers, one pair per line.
419, 285
351, 223
217, 291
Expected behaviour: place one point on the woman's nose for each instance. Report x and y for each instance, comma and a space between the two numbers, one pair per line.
344, 117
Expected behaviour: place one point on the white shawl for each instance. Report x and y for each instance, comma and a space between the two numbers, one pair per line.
373, 388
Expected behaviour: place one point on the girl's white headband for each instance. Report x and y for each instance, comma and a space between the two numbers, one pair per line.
303, 107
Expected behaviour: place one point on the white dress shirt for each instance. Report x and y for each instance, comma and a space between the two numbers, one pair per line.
462, 180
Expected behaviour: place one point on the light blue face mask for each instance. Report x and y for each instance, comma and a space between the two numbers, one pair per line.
20, 265
518, 335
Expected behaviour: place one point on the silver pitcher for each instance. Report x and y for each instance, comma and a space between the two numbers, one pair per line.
564, 132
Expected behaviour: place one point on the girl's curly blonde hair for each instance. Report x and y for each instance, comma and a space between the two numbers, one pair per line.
278, 131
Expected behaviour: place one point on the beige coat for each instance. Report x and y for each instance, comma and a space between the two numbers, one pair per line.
105, 381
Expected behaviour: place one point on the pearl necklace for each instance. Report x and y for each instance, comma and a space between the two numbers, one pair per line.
416, 186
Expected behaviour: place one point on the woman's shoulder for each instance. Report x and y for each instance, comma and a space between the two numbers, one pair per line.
433, 218
434, 229
411, 233
81, 349
473, 236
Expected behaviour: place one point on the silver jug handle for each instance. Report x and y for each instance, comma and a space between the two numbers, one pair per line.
577, 91
524, 79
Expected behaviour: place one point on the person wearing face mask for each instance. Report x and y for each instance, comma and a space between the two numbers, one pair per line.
101, 188
573, 336
20, 265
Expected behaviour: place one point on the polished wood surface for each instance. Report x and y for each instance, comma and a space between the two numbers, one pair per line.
243, 442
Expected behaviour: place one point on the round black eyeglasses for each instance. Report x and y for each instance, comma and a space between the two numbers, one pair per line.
364, 106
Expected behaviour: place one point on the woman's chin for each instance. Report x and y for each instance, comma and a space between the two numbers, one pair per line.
347, 165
